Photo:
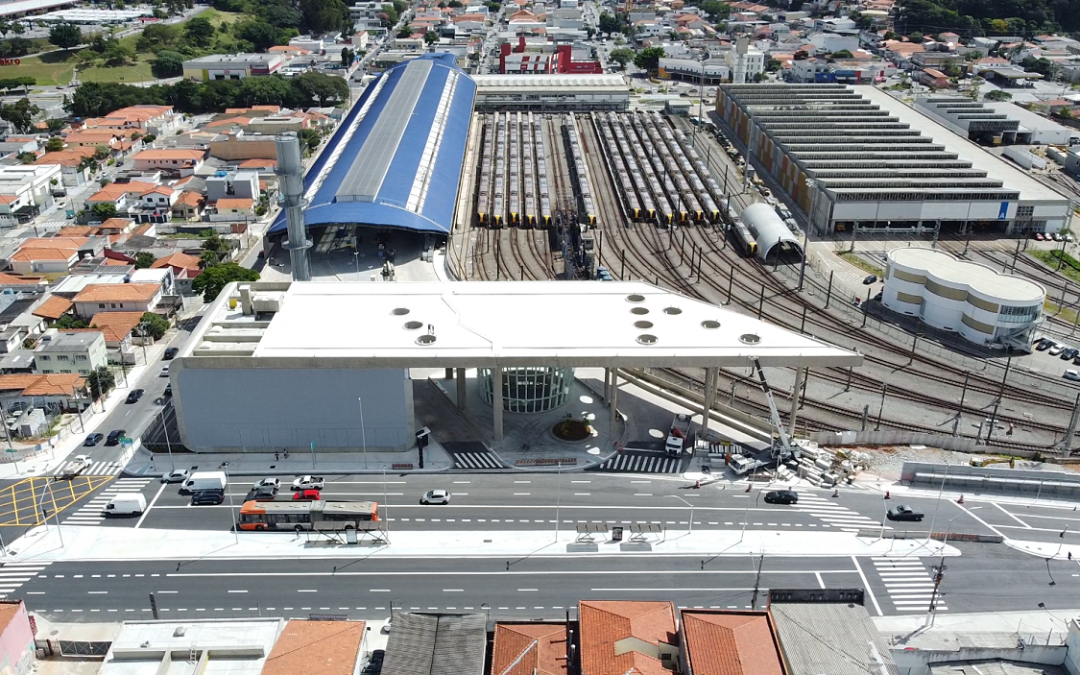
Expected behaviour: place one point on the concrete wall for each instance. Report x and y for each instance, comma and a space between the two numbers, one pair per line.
994, 479
267, 409
917, 661
17, 643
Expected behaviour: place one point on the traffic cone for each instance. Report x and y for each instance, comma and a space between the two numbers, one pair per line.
887, 495
836, 492
961, 500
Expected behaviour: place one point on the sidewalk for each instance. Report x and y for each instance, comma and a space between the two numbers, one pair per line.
112, 544
436, 459
986, 630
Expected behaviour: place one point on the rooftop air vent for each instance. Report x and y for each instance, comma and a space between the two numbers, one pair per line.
413, 325
640, 311
710, 324
646, 339
673, 311
635, 297
750, 339
400, 311
643, 324
425, 340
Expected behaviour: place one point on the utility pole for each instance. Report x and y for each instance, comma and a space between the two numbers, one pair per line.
939, 574
757, 582
884, 390
1066, 441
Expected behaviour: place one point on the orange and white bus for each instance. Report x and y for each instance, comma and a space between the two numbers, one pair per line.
302, 515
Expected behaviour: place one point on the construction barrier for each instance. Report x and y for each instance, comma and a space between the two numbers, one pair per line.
545, 461
402, 467
939, 536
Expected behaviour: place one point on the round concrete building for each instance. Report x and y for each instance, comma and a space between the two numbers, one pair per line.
982, 305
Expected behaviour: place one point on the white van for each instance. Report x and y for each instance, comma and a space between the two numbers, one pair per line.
205, 480
125, 505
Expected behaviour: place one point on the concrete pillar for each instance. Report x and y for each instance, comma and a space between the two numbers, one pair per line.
462, 394
799, 374
497, 401
449, 375
607, 385
711, 375
614, 402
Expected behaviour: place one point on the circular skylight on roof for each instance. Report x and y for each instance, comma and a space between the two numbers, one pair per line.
750, 339
673, 311
425, 340
635, 297
640, 311
413, 325
400, 311
643, 324
646, 339
709, 323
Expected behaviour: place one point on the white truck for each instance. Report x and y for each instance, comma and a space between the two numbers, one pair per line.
69, 470
744, 465
677, 436
204, 480
125, 505
308, 482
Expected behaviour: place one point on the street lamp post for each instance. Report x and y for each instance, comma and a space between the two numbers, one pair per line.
939, 573
232, 517
933, 518
746, 514
168, 444
363, 432
691, 527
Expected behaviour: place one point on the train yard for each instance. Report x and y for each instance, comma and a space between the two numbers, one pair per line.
558, 196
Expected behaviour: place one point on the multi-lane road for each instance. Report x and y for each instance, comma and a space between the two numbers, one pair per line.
986, 577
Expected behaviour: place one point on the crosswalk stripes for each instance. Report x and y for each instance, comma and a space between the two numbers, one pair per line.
629, 462
909, 585
14, 575
833, 513
89, 513
103, 469
477, 460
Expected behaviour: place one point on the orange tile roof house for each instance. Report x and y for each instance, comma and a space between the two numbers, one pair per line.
121, 194
622, 636
530, 649
150, 118
53, 308
175, 160
318, 647
184, 266
730, 643
124, 297
115, 326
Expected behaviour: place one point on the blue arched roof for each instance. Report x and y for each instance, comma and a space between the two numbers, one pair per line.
396, 158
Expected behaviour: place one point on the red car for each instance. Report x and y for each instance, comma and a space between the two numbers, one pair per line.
307, 495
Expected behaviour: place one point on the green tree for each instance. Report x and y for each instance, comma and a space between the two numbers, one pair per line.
144, 259
347, 57
431, 37
649, 58
101, 382
118, 54
54, 144
260, 34
319, 89
5, 28
18, 28
158, 36
998, 95
717, 11
20, 114
915, 36
323, 16
103, 211
309, 139
153, 325
1042, 66
389, 16
214, 278
66, 36
215, 248
609, 24
773, 65
55, 124
68, 322
167, 64
199, 31
622, 56
281, 14
841, 54
405, 32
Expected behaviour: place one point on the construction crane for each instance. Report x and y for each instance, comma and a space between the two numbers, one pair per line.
786, 447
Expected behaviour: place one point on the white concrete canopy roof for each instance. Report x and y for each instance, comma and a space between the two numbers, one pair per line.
573, 323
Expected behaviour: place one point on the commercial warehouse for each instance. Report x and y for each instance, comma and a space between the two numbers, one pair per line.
855, 157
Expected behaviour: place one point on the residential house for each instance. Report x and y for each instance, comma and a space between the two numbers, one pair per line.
113, 141
25, 191
133, 297
9, 283
729, 643
80, 352
57, 259
178, 161
233, 209
16, 145
183, 265
146, 119
121, 195
932, 77
239, 144
232, 66
53, 308
530, 649
70, 161
155, 205
619, 637
188, 206
239, 184
118, 329
56, 391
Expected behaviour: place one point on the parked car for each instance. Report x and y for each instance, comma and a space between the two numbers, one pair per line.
114, 436
93, 439
171, 353
164, 372
435, 497
207, 497
1039, 236
1069, 354
782, 497
904, 512
1056, 349
870, 279
176, 476
134, 395
309, 495
168, 389
1044, 344
268, 482
374, 666
261, 494
1071, 374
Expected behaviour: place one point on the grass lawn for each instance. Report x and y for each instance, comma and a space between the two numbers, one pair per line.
1070, 267
55, 68
863, 264
1063, 313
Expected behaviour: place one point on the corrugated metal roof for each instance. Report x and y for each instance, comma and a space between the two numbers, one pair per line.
386, 201
431, 644
831, 639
